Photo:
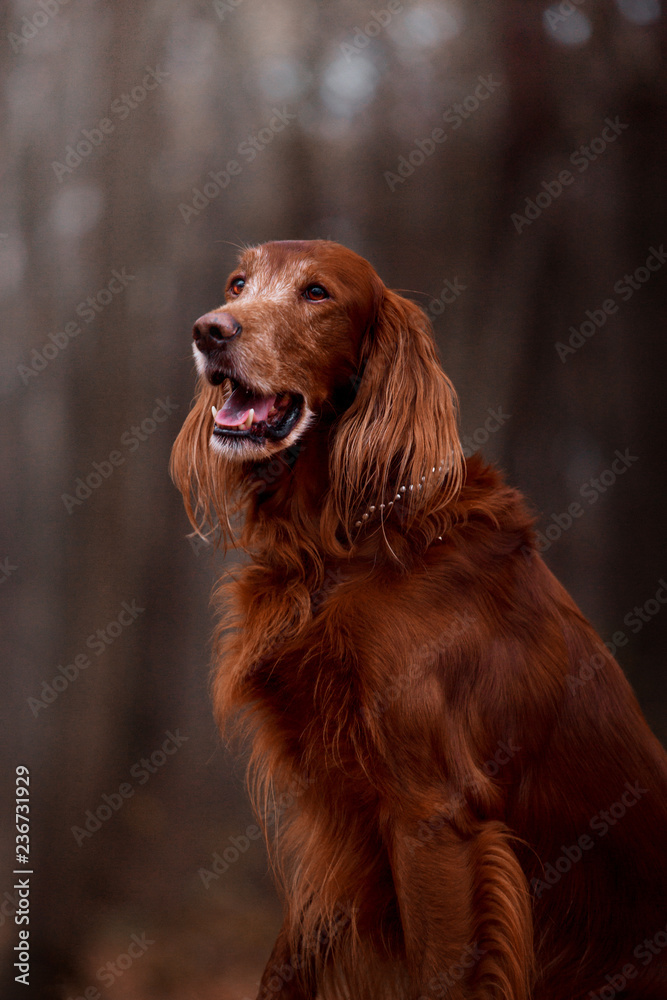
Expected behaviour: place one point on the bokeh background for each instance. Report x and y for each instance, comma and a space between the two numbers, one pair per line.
114, 237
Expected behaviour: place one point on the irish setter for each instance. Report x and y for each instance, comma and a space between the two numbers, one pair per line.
479, 809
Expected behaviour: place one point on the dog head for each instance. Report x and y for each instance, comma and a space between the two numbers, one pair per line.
309, 338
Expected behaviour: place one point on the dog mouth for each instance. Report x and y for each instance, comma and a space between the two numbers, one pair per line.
252, 416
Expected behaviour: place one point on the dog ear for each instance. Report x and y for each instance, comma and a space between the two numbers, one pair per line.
399, 438
207, 485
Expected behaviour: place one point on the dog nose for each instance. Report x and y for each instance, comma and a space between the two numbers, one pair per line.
214, 329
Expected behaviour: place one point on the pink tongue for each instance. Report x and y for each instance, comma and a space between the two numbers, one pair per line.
235, 410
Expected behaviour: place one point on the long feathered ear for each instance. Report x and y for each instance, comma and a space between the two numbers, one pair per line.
401, 430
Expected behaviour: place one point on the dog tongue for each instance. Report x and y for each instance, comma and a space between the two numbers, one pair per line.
241, 401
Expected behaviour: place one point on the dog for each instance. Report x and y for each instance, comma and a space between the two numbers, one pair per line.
473, 805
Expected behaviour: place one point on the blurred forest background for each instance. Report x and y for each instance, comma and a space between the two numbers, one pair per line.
114, 238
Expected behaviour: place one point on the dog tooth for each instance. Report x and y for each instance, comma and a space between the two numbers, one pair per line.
214, 412
249, 419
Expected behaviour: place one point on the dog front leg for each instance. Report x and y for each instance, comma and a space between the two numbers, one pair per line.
465, 911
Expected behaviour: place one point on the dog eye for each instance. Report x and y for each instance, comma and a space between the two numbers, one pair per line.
316, 293
236, 286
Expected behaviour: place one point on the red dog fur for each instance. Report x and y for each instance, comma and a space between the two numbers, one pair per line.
478, 805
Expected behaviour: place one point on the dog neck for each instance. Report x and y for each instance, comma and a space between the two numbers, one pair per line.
292, 486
